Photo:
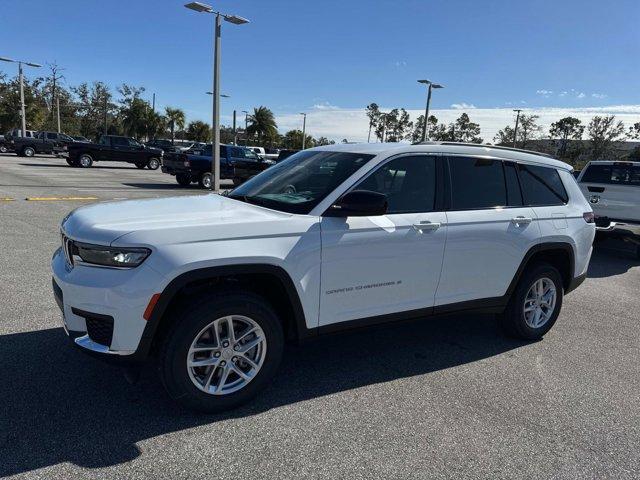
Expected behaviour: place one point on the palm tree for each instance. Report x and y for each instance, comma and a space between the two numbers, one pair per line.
262, 124
175, 118
198, 131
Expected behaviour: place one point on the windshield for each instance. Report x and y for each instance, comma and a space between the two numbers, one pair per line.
302, 181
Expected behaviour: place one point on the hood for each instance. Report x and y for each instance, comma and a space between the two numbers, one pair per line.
166, 220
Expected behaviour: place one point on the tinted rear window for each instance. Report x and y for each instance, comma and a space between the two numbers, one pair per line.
612, 174
541, 186
477, 183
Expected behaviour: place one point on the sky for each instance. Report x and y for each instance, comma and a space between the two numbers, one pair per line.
331, 58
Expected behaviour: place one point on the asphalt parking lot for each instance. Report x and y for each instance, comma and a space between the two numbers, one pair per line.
445, 397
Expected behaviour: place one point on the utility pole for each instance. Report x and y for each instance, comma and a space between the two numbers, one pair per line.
246, 123
515, 131
23, 112
105, 113
235, 130
425, 127
304, 128
58, 108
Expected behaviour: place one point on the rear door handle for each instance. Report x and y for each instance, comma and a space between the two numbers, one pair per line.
521, 221
426, 226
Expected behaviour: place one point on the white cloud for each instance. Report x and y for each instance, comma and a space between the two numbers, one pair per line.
463, 106
352, 124
581, 95
598, 95
545, 93
400, 63
324, 106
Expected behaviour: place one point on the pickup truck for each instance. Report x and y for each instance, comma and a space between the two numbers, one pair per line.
262, 153
115, 149
613, 190
236, 163
43, 142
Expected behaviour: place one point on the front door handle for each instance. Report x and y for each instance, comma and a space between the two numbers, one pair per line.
426, 226
521, 221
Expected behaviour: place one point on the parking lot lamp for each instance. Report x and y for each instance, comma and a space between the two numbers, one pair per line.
304, 128
236, 20
21, 80
425, 127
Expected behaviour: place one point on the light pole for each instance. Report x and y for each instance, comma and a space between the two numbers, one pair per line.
222, 95
304, 128
246, 123
21, 79
425, 127
515, 131
204, 8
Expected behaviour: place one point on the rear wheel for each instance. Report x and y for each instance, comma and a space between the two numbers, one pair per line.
535, 305
28, 151
85, 160
3, 149
222, 352
153, 164
206, 180
183, 179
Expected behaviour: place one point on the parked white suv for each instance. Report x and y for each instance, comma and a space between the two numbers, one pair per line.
332, 238
613, 189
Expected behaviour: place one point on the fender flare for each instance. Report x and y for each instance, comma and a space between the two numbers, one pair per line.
542, 247
179, 282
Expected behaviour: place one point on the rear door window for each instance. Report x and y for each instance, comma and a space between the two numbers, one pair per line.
477, 183
541, 186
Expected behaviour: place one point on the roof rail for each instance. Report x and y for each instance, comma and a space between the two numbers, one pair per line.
497, 147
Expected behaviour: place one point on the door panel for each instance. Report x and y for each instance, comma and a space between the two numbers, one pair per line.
379, 265
483, 252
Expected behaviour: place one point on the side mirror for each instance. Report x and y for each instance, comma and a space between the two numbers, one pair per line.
359, 203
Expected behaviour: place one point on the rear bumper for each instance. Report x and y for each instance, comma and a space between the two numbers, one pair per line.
621, 229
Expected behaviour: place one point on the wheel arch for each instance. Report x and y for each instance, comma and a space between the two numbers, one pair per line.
270, 281
559, 254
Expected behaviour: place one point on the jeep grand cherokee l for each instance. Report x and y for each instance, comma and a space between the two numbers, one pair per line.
210, 287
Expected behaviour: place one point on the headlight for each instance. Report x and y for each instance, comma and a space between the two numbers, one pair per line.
110, 256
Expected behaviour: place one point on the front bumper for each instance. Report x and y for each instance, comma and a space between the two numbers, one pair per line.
102, 308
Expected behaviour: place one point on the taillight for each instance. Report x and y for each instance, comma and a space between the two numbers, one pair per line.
589, 217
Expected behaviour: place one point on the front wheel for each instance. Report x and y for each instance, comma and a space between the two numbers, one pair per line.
3, 149
28, 151
153, 164
85, 160
222, 352
535, 305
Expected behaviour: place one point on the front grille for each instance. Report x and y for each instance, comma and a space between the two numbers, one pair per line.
99, 327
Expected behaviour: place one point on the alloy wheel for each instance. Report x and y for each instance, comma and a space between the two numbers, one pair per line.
226, 355
540, 302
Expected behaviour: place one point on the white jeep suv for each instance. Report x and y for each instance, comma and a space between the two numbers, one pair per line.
334, 237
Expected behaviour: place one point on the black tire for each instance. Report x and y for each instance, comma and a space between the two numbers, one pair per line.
183, 179
28, 152
3, 149
153, 163
174, 350
72, 163
140, 165
85, 161
513, 319
206, 179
